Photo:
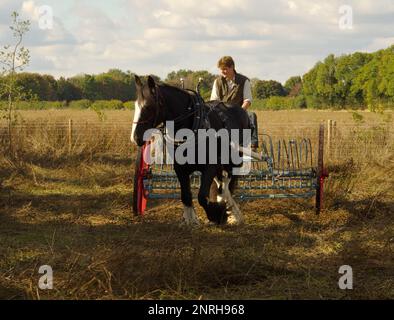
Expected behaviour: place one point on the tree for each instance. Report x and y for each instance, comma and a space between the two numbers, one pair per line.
50, 85
13, 58
191, 79
42, 87
264, 89
293, 86
116, 84
67, 91
87, 84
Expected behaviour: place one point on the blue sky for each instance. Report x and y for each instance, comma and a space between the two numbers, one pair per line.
269, 39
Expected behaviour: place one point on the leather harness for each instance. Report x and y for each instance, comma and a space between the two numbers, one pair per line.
202, 111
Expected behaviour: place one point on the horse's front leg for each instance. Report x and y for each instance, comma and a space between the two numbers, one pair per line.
189, 214
216, 211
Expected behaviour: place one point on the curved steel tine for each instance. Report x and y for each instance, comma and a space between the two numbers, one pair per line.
264, 148
304, 144
288, 157
271, 148
307, 151
310, 151
287, 154
303, 164
283, 148
297, 155
291, 149
304, 148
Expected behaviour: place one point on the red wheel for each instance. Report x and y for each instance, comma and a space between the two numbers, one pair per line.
140, 195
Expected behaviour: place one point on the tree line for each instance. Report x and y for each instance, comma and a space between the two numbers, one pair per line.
359, 80
114, 84
355, 80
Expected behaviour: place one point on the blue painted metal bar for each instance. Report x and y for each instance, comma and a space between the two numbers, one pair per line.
287, 166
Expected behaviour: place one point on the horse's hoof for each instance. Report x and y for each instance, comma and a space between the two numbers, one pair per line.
216, 212
234, 221
190, 217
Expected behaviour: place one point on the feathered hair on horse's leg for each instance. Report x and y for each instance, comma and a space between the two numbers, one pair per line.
216, 212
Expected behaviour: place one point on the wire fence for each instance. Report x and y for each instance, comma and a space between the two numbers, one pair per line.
343, 141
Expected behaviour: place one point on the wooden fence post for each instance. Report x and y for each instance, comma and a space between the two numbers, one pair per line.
334, 130
70, 135
334, 134
329, 135
320, 171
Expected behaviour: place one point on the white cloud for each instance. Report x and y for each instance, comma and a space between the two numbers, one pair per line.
207, 8
30, 9
269, 39
292, 5
380, 43
373, 7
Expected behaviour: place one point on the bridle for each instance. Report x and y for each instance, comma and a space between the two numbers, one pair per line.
154, 116
159, 107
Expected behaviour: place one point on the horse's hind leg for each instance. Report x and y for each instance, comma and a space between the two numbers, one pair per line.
235, 214
217, 186
216, 211
189, 214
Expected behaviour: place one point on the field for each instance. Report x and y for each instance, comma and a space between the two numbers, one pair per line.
66, 202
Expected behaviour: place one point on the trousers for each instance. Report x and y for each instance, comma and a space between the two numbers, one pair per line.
254, 128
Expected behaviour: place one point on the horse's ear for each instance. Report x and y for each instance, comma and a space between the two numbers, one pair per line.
151, 83
138, 81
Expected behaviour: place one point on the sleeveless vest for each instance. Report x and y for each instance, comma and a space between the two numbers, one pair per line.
234, 96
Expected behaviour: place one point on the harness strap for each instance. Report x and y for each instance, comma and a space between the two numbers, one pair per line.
217, 107
200, 118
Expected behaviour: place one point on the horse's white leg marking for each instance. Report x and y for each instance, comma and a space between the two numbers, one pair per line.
218, 182
137, 113
189, 214
219, 197
235, 213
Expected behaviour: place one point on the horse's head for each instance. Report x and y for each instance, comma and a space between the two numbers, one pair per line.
147, 113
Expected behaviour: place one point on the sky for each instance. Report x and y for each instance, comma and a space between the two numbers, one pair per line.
268, 39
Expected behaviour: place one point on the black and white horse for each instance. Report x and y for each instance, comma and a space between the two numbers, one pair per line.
159, 103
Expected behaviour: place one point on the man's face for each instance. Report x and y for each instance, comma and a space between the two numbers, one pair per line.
227, 72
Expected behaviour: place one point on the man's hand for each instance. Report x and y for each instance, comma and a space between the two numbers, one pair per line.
246, 105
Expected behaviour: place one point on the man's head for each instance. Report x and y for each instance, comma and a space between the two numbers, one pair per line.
227, 67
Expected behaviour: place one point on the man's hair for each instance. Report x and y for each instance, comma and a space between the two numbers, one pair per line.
226, 61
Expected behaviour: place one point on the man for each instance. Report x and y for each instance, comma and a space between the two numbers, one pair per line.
234, 89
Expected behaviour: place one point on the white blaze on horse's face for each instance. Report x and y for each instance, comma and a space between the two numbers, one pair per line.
137, 113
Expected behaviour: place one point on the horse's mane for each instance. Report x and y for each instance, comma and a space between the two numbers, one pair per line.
168, 86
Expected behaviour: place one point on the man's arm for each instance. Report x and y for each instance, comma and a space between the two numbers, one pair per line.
247, 95
215, 94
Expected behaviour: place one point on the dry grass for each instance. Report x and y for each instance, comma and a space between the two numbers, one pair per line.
71, 210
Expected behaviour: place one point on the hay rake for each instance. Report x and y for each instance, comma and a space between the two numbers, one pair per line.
285, 169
